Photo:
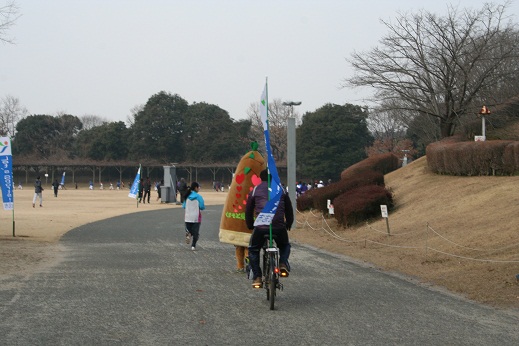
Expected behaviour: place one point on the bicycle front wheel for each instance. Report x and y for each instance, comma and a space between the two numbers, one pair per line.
272, 280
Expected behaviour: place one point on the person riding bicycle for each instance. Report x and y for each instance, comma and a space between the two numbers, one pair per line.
281, 223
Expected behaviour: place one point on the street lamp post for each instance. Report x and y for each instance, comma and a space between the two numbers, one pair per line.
484, 111
291, 155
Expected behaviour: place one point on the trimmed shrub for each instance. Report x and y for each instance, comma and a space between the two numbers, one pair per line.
305, 201
473, 158
383, 163
360, 204
317, 198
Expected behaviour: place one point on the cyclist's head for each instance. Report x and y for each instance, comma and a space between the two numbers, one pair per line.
264, 175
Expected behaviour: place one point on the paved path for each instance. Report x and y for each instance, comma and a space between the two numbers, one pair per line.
131, 280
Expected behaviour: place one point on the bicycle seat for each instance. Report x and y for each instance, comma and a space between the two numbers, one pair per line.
266, 240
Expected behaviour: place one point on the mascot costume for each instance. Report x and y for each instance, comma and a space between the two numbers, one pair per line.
233, 229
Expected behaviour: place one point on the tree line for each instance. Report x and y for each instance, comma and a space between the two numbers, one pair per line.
430, 75
169, 130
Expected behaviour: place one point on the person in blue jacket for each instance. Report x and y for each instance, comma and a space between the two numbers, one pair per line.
193, 205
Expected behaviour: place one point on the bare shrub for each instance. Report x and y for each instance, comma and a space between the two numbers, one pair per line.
360, 204
473, 158
383, 163
317, 198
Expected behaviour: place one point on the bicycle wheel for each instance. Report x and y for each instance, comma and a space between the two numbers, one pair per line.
266, 271
272, 279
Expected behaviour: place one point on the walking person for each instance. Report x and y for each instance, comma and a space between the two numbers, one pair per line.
182, 188
193, 205
140, 189
159, 185
55, 187
37, 192
147, 190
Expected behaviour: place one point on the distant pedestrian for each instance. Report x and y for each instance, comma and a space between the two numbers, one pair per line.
37, 192
159, 185
90, 185
304, 187
182, 188
20, 187
140, 188
193, 204
55, 186
147, 190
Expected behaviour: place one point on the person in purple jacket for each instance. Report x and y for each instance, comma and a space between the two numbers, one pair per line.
281, 223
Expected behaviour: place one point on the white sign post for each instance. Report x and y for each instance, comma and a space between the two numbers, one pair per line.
330, 207
385, 215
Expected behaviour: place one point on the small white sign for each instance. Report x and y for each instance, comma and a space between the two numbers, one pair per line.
330, 209
383, 209
479, 138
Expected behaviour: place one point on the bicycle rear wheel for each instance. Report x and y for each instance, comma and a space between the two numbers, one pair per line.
266, 271
272, 280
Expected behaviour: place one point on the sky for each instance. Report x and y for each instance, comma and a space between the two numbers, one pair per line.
104, 57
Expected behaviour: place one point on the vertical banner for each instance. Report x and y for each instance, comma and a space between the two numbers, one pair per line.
6, 173
275, 188
135, 186
63, 180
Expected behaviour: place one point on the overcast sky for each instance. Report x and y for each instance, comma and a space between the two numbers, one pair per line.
103, 57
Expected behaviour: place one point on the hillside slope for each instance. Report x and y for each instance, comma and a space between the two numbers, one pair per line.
460, 233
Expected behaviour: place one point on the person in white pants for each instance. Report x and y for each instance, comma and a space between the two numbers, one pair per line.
37, 192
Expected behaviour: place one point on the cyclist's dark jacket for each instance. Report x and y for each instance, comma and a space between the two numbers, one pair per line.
256, 202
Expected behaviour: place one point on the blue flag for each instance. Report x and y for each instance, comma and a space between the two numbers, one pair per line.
135, 186
6, 173
63, 180
275, 188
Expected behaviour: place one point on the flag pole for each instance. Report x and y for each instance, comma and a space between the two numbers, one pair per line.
10, 143
275, 190
138, 186
269, 183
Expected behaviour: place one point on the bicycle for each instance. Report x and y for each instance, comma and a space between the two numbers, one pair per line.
270, 268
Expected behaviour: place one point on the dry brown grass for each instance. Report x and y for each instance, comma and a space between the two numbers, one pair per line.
460, 233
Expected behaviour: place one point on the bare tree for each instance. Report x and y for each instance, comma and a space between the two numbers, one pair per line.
386, 123
90, 121
130, 119
278, 117
11, 111
438, 70
8, 16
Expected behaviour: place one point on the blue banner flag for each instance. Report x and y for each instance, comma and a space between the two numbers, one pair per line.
62, 180
275, 188
135, 186
6, 173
